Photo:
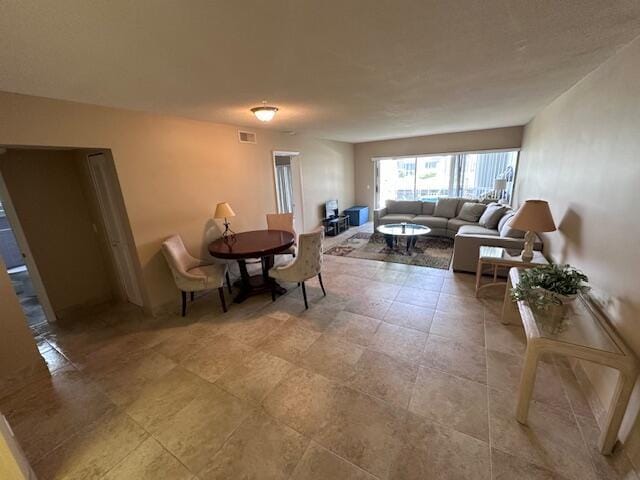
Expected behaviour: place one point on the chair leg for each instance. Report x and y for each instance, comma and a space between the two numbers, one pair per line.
224, 304
228, 282
273, 293
304, 295
321, 285
192, 296
184, 303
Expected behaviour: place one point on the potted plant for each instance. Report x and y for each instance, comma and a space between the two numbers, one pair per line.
550, 285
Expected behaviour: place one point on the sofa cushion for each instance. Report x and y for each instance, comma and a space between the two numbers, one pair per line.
471, 212
455, 223
428, 208
505, 218
462, 201
404, 206
492, 215
397, 218
431, 222
477, 230
506, 231
446, 207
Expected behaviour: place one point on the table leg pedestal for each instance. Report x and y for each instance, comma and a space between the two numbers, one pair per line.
616, 412
478, 276
256, 284
527, 382
510, 312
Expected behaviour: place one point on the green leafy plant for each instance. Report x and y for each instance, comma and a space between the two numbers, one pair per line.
545, 286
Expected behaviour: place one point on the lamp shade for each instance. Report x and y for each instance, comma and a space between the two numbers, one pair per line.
500, 184
223, 210
533, 216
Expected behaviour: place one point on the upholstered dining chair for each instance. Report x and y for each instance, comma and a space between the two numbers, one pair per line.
284, 222
192, 274
307, 264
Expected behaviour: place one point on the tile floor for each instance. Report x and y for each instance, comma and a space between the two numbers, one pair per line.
416, 381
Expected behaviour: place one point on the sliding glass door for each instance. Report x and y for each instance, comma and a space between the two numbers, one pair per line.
429, 177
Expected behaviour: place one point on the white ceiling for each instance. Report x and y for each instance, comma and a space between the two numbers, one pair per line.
351, 70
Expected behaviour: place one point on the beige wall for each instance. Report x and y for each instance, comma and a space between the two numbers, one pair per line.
173, 171
18, 351
494, 139
582, 154
47, 188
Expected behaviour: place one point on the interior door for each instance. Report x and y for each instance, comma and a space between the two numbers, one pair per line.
104, 182
287, 170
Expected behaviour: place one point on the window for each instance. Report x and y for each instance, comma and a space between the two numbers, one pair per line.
429, 177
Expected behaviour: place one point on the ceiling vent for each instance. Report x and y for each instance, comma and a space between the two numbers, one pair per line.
246, 137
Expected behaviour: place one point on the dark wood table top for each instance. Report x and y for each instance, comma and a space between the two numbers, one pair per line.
253, 244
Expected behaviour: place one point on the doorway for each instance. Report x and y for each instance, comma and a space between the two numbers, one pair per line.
65, 233
288, 185
30, 297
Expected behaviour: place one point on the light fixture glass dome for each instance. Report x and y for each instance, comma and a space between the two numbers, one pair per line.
264, 113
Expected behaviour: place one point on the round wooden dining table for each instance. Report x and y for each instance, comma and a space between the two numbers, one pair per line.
262, 244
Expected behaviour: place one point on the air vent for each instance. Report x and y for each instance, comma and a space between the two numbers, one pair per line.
246, 137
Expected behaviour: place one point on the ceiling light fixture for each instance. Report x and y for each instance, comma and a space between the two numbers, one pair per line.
264, 113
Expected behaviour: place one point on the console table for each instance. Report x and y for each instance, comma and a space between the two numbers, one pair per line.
334, 226
581, 332
499, 257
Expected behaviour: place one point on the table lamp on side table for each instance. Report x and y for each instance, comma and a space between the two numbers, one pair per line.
533, 216
223, 210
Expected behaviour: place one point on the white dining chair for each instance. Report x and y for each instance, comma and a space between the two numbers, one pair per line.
307, 264
284, 222
192, 274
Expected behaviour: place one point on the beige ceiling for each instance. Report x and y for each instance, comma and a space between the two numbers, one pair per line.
351, 70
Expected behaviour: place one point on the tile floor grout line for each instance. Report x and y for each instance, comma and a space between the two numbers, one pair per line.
486, 360
258, 310
575, 418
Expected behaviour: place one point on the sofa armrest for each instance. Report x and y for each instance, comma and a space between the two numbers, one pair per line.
466, 248
377, 215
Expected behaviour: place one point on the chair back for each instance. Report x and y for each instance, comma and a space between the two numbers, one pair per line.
281, 221
177, 256
309, 258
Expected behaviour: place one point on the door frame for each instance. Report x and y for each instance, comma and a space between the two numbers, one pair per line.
125, 267
21, 240
296, 176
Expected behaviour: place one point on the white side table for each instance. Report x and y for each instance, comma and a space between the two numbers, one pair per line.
584, 333
498, 257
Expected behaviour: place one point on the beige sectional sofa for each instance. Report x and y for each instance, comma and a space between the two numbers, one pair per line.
444, 222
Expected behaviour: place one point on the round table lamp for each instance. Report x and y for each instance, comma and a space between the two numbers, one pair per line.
533, 216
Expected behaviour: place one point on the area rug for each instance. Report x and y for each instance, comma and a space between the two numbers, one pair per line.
432, 252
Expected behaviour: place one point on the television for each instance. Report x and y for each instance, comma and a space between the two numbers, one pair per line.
331, 209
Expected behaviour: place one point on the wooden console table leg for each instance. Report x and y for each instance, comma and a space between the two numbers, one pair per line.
509, 309
616, 411
478, 276
527, 382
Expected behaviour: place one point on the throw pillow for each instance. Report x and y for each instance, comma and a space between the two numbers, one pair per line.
471, 212
446, 207
492, 215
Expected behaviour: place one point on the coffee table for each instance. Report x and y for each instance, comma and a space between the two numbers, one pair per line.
393, 231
